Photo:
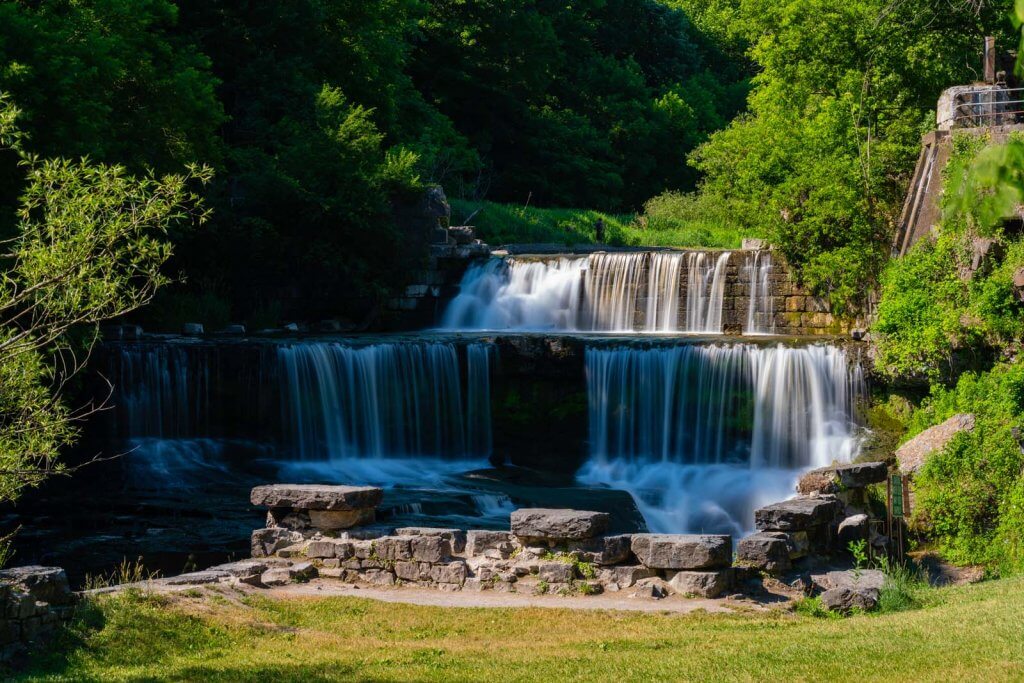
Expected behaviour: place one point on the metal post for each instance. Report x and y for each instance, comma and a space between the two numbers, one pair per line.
990, 60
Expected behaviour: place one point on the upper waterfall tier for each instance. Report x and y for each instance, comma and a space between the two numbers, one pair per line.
643, 291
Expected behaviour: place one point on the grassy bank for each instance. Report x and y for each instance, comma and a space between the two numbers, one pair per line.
968, 633
499, 224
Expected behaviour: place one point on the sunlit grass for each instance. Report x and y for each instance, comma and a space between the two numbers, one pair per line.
968, 633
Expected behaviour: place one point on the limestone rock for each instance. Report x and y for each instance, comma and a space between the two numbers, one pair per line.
625, 577
767, 551
603, 550
197, 578
430, 549
912, 455
316, 496
392, 548
853, 528
266, 542
846, 590
840, 477
558, 524
555, 572
456, 537
796, 514
330, 548
654, 588
682, 551
701, 584
46, 584
462, 234
479, 542
335, 520
451, 573
192, 329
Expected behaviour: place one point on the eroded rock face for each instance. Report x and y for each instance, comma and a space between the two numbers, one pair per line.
603, 550
558, 525
335, 520
316, 496
797, 514
853, 528
682, 551
456, 537
481, 541
912, 455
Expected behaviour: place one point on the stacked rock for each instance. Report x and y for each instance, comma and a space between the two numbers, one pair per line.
545, 551
829, 513
33, 600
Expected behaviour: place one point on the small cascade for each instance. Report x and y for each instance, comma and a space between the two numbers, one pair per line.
705, 291
160, 391
611, 286
518, 294
663, 284
761, 309
383, 401
702, 434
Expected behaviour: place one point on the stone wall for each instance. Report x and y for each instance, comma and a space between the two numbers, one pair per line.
33, 600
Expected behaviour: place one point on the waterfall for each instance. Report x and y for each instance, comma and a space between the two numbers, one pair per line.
607, 292
760, 310
703, 434
159, 392
663, 284
611, 285
518, 294
383, 401
705, 291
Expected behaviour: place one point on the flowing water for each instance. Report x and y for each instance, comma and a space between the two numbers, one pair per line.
761, 308
602, 292
701, 435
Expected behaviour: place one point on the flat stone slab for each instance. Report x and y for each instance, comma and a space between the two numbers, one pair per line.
796, 514
316, 496
48, 584
701, 584
558, 525
682, 551
842, 477
912, 455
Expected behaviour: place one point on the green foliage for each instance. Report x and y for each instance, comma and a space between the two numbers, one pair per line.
902, 587
88, 246
843, 94
968, 497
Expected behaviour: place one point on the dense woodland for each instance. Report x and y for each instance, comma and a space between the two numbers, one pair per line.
293, 129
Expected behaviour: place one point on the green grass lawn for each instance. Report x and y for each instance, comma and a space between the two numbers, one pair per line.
499, 224
968, 633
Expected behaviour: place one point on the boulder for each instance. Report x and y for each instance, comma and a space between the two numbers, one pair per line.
45, 584
391, 548
837, 478
558, 525
329, 548
336, 520
430, 549
912, 455
767, 551
625, 577
316, 496
456, 537
451, 573
479, 542
701, 584
555, 572
280, 576
853, 528
797, 514
845, 590
682, 551
603, 550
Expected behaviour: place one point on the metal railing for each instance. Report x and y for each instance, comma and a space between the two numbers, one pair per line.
988, 106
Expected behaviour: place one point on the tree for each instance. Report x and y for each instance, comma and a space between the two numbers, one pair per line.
89, 245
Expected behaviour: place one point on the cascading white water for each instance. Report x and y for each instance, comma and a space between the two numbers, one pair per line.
663, 283
703, 434
705, 291
383, 401
761, 309
160, 394
518, 294
611, 286
610, 292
